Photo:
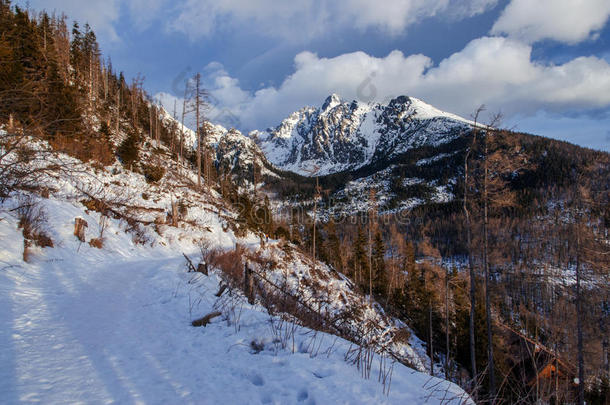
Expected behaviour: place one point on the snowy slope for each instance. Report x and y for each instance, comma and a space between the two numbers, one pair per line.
342, 135
97, 326
81, 324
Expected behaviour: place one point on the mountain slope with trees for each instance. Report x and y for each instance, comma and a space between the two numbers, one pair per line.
472, 253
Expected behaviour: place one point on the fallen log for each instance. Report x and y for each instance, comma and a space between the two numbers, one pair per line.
206, 319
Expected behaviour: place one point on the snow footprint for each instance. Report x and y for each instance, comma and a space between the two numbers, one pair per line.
256, 379
303, 395
323, 373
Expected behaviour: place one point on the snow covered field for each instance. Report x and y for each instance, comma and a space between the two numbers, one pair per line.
83, 325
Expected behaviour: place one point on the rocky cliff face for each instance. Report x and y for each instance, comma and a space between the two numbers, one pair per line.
342, 135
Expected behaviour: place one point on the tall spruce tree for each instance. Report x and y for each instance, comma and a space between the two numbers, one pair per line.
378, 263
360, 260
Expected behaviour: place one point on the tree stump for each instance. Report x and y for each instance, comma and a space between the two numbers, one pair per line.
79, 228
174, 214
202, 268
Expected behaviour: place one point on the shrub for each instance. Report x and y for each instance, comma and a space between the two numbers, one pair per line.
129, 150
183, 209
96, 205
32, 218
153, 173
230, 264
96, 243
282, 233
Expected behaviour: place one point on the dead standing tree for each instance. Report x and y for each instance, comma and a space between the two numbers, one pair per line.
314, 172
197, 103
473, 362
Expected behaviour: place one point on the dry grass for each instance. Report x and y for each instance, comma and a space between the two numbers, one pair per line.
96, 243
32, 220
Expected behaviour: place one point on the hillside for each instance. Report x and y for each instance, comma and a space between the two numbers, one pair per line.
102, 308
405, 180
534, 203
356, 252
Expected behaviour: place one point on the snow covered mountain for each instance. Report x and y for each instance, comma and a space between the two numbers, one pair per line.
343, 135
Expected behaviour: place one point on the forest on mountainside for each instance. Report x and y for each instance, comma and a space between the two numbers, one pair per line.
539, 221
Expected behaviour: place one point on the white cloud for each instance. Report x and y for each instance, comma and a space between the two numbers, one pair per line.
101, 15
306, 19
569, 21
494, 71
144, 12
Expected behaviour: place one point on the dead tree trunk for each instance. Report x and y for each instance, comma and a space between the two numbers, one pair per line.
447, 348
118, 110
198, 105
581, 362
473, 362
248, 284
490, 356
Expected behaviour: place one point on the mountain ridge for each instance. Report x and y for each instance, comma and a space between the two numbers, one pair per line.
341, 135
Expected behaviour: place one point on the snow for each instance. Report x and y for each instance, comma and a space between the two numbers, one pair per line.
436, 158
351, 135
81, 324
331, 102
426, 111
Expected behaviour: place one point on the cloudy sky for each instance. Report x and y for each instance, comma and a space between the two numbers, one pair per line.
545, 64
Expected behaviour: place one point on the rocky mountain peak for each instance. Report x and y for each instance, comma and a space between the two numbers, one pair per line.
343, 135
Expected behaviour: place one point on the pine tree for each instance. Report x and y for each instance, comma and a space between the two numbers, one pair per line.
129, 149
378, 263
76, 48
333, 247
63, 111
360, 260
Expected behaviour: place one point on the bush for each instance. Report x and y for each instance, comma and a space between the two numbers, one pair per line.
153, 173
282, 233
129, 150
96, 243
183, 209
32, 218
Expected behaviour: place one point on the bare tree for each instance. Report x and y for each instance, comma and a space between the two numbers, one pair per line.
490, 355
136, 95
314, 171
186, 91
473, 362
198, 98
372, 222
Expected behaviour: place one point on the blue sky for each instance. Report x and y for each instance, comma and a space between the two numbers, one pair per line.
545, 65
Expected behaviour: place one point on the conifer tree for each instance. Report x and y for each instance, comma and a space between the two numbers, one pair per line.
129, 149
333, 247
378, 263
360, 258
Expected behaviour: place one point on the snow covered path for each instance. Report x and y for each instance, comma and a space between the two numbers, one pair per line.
89, 334
113, 326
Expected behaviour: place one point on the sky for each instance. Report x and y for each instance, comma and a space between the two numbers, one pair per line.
544, 65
